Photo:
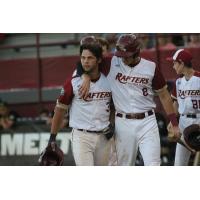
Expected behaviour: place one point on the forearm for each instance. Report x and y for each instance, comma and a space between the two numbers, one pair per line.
57, 120
112, 116
167, 104
175, 104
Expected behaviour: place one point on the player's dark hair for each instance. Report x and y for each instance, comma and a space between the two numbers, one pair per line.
103, 42
96, 50
187, 64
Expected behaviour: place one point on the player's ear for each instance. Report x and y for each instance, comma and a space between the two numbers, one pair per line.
182, 63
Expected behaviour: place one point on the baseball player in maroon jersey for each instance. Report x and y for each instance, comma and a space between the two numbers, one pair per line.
89, 117
186, 94
134, 82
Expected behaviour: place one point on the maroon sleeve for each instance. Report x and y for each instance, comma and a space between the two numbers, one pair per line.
66, 94
158, 81
174, 91
197, 74
105, 65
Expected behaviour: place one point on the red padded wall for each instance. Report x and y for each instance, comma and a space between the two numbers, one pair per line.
23, 73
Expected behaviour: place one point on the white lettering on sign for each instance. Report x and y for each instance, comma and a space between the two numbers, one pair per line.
30, 146
30, 143
12, 144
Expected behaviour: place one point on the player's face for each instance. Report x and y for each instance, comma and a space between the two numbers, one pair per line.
178, 67
88, 61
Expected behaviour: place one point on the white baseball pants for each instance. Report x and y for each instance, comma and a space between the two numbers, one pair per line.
182, 155
90, 149
132, 134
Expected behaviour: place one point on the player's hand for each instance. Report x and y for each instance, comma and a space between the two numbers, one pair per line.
52, 145
85, 87
173, 132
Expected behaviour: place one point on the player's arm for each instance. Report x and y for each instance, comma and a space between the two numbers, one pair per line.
166, 100
159, 85
110, 133
62, 105
175, 105
174, 98
58, 117
167, 104
112, 113
57, 156
85, 87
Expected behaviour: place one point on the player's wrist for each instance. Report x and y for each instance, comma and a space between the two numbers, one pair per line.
52, 138
173, 119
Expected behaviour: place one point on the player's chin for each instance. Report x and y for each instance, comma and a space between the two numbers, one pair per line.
127, 63
127, 60
87, 69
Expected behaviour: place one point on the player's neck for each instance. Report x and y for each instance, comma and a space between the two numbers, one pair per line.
94, 75
188, 73
135, 62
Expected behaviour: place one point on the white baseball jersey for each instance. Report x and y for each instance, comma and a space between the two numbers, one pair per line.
91, 113
187, 93
133, 87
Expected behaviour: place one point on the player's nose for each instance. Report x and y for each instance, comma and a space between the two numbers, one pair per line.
85, 61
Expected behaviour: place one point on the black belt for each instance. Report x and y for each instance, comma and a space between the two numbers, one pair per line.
88, 131
190, 115
135, 115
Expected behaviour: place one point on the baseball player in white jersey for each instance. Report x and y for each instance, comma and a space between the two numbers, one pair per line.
89, 117
186, 94
133, 82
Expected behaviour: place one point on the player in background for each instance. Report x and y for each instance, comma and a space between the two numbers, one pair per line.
186, 94
89, 117
134, 82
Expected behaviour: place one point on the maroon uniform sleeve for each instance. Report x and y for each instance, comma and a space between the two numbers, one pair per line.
105, 65
66, 94
197, 74
174, 94
158, 81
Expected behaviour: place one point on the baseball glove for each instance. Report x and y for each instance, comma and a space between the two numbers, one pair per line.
51, 156
192, 136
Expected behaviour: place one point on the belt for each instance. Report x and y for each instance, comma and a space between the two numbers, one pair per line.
190, 115
135, 115
98, 132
